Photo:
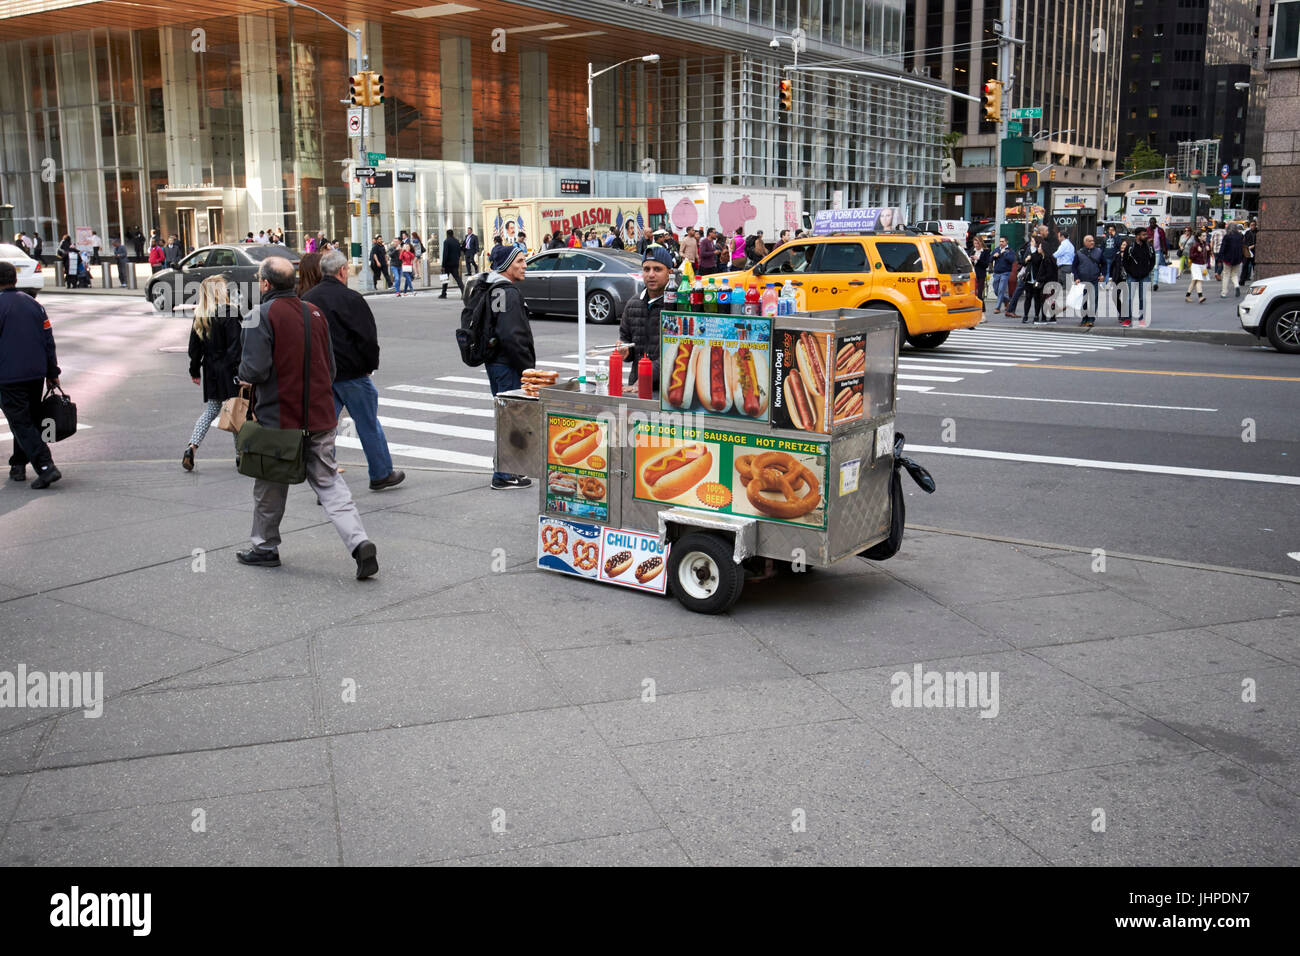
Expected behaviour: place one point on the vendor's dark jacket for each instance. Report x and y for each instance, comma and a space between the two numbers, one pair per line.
1139, 260
26, 340
514, 334
352, 328
273, 358
217, 356
640, 326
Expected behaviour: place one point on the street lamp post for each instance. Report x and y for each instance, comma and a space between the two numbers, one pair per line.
591, 114
367, 277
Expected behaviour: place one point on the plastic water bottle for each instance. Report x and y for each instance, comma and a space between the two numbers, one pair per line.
769, 299
786, 303
724, 298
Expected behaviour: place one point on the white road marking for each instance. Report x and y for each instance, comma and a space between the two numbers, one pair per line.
1076, 401
464, 380
1293, 554
444, 409
909, 367
926, 378
916, 388
444, 392
81, 426
1108, 465
569, 365
427, 454
435, 428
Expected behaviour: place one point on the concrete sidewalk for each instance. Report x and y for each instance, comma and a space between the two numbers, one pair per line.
450, 712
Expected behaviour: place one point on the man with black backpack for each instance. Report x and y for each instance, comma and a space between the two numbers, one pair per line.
494, 332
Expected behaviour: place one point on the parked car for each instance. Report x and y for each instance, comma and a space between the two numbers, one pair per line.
174, 288
1271, 309
951, 228
31, 279
550, 285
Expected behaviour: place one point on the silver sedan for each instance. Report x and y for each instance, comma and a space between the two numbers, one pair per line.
550, 286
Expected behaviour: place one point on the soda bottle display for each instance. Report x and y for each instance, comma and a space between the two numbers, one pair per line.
670, 294
787, 303
684, 294
769, 299
697, 295
710, 297
724, 298
751, 300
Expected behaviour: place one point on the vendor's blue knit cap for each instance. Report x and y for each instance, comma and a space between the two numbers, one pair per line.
658, 254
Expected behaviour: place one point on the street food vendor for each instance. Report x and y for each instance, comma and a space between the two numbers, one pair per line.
638, 330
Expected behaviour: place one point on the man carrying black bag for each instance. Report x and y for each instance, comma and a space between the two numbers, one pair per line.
27, 361
278, 344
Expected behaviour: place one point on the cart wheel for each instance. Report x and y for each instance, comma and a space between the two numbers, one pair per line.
703, 575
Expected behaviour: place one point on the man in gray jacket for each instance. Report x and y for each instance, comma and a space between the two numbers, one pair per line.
275, 338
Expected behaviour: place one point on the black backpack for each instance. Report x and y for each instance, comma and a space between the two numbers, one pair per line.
477, 335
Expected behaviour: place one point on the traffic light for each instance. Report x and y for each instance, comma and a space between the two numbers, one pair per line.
1051, 174
1026, 180
354, 207
786, 96
374, 88
993, 101
357, 88
372, 207
1173, 178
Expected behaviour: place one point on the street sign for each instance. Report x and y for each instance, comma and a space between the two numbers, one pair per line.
382, 179
354, 123
363, 172
575, 187
405, 176
1225, 171
374, 159
1014, 127
1027, 112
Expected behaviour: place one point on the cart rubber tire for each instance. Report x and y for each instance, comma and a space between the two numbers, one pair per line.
702, 573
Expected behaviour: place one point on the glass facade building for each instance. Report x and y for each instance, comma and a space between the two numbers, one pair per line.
214, 122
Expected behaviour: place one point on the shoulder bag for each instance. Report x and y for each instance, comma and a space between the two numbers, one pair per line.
278, 454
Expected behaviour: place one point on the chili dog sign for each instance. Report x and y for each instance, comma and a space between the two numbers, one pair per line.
759, 476
631, 559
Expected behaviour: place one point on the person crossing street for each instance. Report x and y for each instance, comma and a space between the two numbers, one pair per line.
451, 253
27, 362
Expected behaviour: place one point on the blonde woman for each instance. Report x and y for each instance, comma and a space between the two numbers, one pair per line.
214, 353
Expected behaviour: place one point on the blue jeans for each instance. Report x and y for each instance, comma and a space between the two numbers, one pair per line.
1021, 286
503, 378
362, 399
1136, 307
1000, 282
406, 278
396, 273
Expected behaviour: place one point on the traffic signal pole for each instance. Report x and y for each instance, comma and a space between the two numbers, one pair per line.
367, 276
1004, 77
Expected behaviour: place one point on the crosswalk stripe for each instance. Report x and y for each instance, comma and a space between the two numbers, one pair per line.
569, 365
909, 367
431, 407
426, 454
948, 360
464, 380
926, 378
444, 392
81, 426
436, 428
916, 388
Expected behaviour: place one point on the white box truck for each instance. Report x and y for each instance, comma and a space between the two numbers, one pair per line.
727, 207
597, 214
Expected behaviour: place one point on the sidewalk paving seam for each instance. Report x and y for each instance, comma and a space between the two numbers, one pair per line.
163, 803
1120, 555
543, 846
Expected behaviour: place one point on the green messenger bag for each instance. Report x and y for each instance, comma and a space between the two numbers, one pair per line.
278, 454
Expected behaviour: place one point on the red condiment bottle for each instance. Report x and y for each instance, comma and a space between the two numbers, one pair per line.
644, 370
615, 373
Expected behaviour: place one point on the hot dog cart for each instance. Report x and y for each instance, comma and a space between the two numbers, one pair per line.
770, 437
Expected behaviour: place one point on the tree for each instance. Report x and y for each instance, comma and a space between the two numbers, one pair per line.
1144, 158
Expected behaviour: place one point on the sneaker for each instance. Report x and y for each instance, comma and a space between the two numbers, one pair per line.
367, 563
47, 477
1011, 315
187, 459
1125, 323
1154, 287
258, 558
518, 481
396, 478
18, 474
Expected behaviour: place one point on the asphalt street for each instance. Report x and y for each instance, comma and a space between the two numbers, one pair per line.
1179, 450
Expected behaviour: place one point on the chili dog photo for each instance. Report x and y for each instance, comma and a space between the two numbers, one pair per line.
748, 379
665, 475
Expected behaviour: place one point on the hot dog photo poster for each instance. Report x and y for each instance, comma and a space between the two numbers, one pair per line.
803, 388
761, 476
716, 364
630, 559
577, 466
850, 373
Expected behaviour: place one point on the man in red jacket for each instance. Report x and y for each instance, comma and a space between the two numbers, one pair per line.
274, 337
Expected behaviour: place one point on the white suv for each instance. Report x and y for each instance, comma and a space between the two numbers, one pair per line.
1272, 309
30, 277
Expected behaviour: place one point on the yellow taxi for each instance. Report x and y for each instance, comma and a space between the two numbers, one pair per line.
926, 279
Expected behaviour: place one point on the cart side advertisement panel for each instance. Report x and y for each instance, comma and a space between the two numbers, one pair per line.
756, 475
577, 466
632, 559
717, 364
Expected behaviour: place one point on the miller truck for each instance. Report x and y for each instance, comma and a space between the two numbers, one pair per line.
537, 217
